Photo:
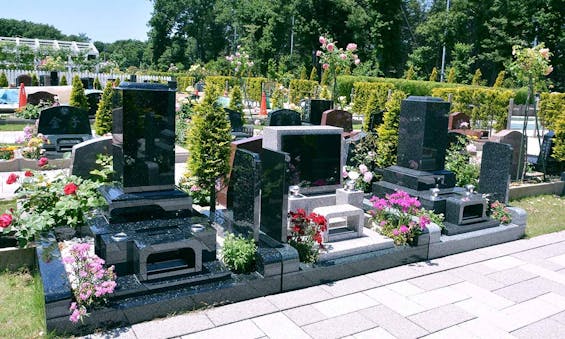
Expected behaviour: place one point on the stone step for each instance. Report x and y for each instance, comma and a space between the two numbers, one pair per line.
341, 233
337, 222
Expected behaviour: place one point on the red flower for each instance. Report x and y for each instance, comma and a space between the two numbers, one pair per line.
12, 178
70, 188
5, 220
42, 161
28, 173
318, 237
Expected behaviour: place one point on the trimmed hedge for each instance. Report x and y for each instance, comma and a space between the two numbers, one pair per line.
300, 89
481, 104
363, 92
253, 84
552, 113
183, 82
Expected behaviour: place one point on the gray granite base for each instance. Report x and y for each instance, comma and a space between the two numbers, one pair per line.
278, 271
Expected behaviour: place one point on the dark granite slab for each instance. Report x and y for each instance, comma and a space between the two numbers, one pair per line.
494, 178
418, 180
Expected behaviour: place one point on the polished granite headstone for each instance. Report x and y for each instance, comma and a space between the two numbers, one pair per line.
546, 162
458, 120
245, 192
494, 178
514, 139
284, 117
85, 154
64, 127
314, 109
23, 78
375, 119
338, 118
40, 97
422, 133
274, 193
93, 98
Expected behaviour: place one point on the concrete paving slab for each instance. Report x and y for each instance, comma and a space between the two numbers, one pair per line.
442, 317
393, 322
278, 326
339, 327
240, 311
241, 330
546, 328
345, 304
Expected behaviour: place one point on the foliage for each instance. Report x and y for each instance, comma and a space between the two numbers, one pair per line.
182, 121
394, 217
278, 98
7, 152
104, 171
63, 81
410, 74
91, 283
545, 213
3, 80
30, 111
103, 117
370, 96
238, 253
364, 153
78, 98
451, 75
313, 74
200, 195
185, 82
388, 131
34, 79
459, 162
361, 176
499, 79
209, 143
531, 64
305, 234
303, 73
433, 75
499, 212
236, 102
97, 85
481, 104
477, 81
552, 108
240, 62
300, 89
462, 62
335, 60
32, 143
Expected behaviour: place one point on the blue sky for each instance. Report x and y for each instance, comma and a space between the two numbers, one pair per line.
100, 20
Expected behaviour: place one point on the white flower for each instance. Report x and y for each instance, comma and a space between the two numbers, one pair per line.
353, 175
367, 177
363, 169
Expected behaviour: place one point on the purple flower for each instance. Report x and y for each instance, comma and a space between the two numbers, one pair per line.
395, 232
403, 229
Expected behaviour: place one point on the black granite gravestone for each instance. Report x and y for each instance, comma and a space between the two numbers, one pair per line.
338, 118
84, 155
87, 83
546, 162
236, 119
245, 189
93, 97
54, 78
422, 134
64, 127
274, 194
284, 117
375, 119
41, 96
313, 110
23, 78
44, 80
494, 178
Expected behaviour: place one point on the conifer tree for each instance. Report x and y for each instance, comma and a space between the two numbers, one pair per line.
499, 79
34, 80
388, 131
451, 75
303, 73
103, 118
97, 84
78, 98
208, 144
370, 107
3, 80
476, 81
410, 73
236, 103
314, 74
63, 81
433, 76
325, 76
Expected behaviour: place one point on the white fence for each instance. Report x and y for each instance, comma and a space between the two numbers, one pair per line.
12, 75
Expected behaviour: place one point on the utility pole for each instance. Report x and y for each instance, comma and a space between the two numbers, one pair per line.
442, 74
292, 35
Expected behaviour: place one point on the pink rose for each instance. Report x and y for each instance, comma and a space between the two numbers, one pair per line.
363, 168
318, 53
5, 220
357, 61
330, 47
343, 56
367, 177
322, 40
70, 188
42, 161
351, 47
325, 66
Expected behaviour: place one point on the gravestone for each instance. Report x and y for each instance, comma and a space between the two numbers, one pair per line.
41, 96
64, 127
546, 162
54, 78
314, 108
44, 80
236, 120
23, 78
458, 120
84, 155
338, 118
93, 98
422, 133
375, 119
514, 139
494, 178
274, 193
87, 83
245, 189
284, 117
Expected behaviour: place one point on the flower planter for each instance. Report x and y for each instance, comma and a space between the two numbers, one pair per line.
9, 165
12, 257
527, 190
53, 164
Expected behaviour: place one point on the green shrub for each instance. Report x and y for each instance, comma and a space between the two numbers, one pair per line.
552, 113
254, 88
325, 77
481, 104
499, 79
97, 84
387, 142
78, 98
34, 80
458, 161
300, 89
477, 81
183, 82
303, 73
3, 80
63, 81
433, 75
220, 82
313, 74
236, 102
410, 73
451, 75
363, 92
238, 253
103, 117
29, 111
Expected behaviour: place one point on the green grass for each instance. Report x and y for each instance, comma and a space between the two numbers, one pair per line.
12, 127
22, 313
6, 204
546, 214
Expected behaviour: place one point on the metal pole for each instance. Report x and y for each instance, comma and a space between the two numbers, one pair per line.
442, 73
292, 36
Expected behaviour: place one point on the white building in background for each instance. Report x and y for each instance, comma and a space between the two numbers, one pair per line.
76, 48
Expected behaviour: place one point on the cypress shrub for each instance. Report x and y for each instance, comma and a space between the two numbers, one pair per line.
208, 144
103, 117
499, 79
476, 81
433, 76
303, 73
451, 75
300, 89
254, 87
387, 142
363, 91
314, 74
63, 81
324, 80
410, 73
3, 80
78, 98
97, 84
236, 102
552, 108
183, 82
34, 80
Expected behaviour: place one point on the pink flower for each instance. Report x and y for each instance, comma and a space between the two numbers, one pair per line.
42, 161
325, 66
12, 178
318, 53
343, 56
363, 168
367, 177
5, 220
28, 173
403, 229
548, 70
351, 47
544, 53
330, 47
395, 232
357, 61
322, 40
75, 316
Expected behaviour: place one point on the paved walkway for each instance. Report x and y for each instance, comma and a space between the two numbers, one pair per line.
515, 289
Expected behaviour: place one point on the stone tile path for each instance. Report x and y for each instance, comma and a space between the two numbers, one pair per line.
512, 290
